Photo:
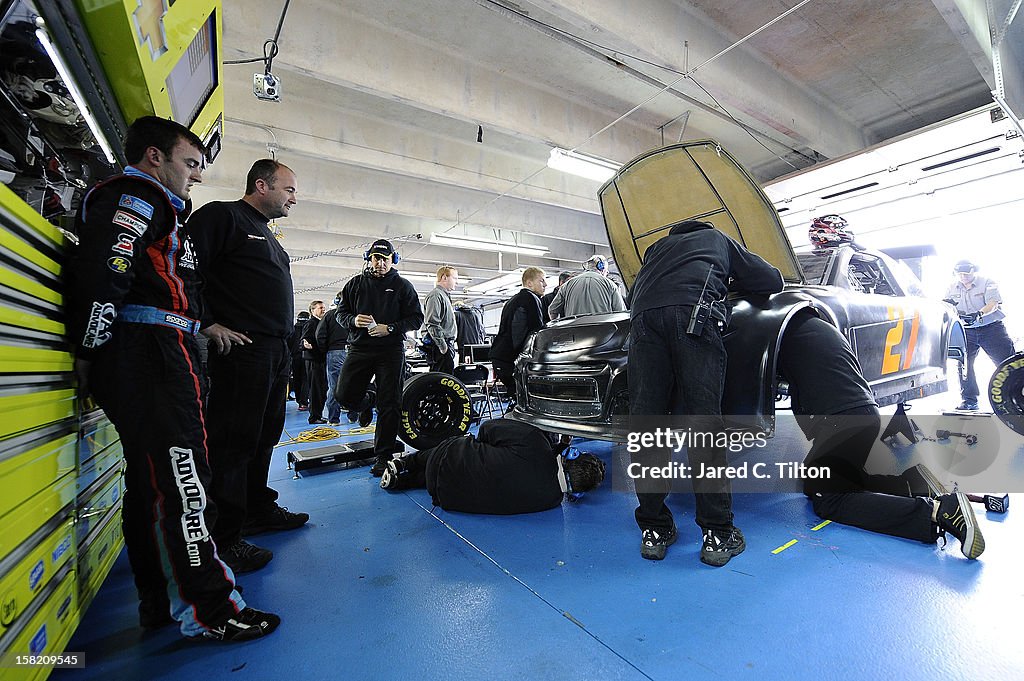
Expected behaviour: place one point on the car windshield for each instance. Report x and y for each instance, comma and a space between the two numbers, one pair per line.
813, 264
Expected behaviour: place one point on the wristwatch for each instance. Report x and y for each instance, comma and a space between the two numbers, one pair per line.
391, 328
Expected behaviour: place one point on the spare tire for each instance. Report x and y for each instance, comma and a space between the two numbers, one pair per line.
1006, 392
435, 407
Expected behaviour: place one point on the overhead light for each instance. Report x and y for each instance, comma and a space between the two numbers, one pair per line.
575, 163
492, 245
514, 278
76, 94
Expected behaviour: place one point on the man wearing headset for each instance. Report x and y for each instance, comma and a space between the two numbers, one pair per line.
590, 292
977, 301
377, 307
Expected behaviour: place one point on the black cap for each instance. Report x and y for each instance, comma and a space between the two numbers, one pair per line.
381, 247
965, 266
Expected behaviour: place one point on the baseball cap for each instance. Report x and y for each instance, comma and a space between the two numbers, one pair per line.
964, 266
381, 247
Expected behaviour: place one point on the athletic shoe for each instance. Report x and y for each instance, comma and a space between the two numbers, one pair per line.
245, 626
923, 483
244, 557
154, 610
968, 405
377, 469
317, 422
956, 516
276, 520
721, 545
654, 543
394, 469
334, 424
366, 415
352, 416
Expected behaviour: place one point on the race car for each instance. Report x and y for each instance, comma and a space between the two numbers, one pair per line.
571, 375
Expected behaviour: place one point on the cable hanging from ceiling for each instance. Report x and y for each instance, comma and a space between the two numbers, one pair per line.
270, 48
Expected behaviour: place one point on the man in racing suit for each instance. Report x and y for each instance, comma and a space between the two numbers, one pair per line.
132, 315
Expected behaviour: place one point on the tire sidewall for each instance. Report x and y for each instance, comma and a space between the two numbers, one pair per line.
444, 389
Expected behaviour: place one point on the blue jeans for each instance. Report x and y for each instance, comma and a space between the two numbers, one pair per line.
993, 339
672, 372
335, 359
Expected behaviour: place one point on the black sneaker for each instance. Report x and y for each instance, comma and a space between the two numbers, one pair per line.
244, 557
654, 543
392, 472
317, 422
721, 545
921, 482
154, 610
377, 469
276, 520
245, 626
366, 415
956, 516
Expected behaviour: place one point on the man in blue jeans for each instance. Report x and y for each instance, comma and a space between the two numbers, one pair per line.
332, 336
977, 302
677, 367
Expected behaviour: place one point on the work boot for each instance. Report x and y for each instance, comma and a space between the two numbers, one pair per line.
245, 626
654, 543
955, 515
276, 519
244, 557
720, 546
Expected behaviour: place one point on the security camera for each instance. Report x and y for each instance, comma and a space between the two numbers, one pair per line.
266, 86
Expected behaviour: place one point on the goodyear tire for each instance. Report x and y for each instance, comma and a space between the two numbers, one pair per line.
435, 407
1006, 392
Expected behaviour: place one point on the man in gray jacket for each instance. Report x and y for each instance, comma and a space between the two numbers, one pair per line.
590, 292
439, 330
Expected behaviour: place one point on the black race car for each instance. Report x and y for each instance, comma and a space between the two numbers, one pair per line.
571, 375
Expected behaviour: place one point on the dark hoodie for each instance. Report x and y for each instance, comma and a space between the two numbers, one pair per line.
676, 266
390, 299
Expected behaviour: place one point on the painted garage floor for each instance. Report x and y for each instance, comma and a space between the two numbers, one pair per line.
379, 585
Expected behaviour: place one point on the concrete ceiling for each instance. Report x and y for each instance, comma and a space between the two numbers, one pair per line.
383, 102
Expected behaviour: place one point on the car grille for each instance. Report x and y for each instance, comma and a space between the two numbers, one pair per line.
564, 395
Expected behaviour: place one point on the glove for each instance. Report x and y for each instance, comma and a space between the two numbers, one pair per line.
969, 318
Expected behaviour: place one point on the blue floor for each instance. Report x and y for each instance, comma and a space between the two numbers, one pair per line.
380, 586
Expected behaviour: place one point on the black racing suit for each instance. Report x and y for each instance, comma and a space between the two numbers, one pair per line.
132, 308
392, 301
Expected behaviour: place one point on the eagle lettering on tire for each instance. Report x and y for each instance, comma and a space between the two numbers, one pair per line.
435, 407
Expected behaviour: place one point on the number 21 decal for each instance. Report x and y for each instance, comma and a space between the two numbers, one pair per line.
894, 341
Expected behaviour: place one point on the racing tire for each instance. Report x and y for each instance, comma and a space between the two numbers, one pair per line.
435, 407
1006, 392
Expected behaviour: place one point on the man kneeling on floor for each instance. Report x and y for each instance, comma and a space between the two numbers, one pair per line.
835, 409
509, 467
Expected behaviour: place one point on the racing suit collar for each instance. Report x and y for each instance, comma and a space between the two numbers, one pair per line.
132, 171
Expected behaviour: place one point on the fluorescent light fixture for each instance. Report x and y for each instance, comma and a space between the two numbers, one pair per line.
479, 244
514, 278
575, 163
76, 94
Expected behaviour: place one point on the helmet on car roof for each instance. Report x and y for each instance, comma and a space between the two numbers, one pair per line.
829, 231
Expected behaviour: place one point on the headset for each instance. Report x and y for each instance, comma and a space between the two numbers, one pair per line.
395, 257
599, 263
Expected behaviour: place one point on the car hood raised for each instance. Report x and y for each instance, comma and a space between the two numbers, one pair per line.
690, 181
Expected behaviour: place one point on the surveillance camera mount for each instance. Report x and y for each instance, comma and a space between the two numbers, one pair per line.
266, 87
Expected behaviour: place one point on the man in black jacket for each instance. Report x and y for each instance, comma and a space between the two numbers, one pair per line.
509, 467
315, 356
334, 339
247, 316
298, 383
520, 317
677, 366
133, 305
377, 307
